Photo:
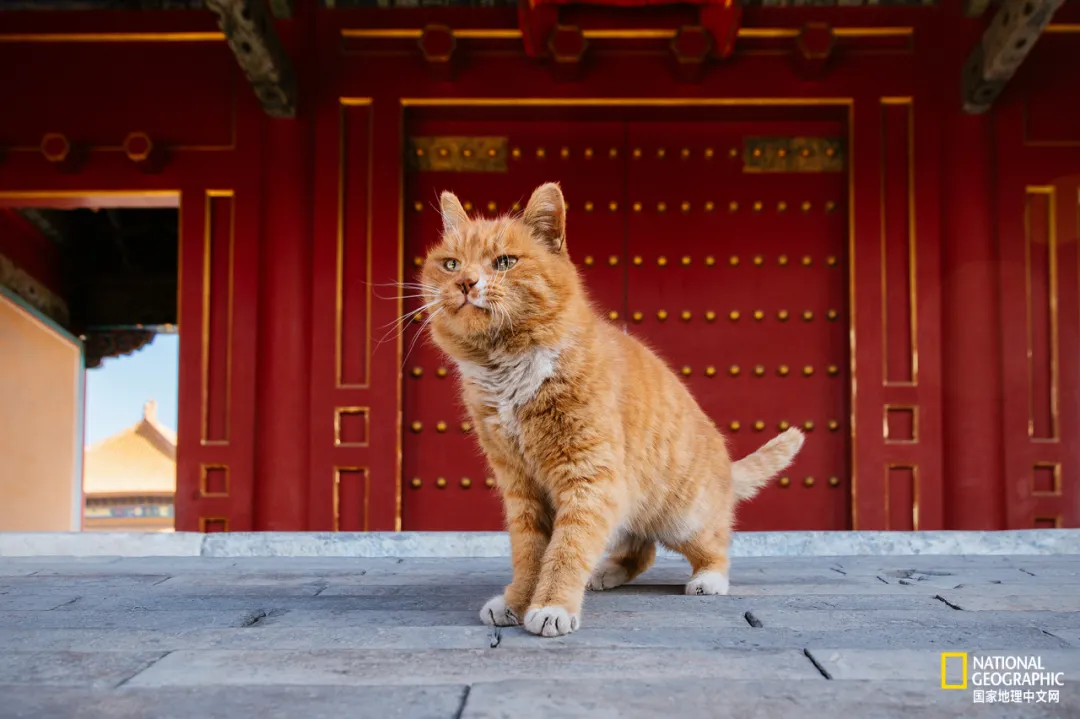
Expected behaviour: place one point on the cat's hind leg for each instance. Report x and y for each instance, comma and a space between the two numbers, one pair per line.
707, 553
628, 558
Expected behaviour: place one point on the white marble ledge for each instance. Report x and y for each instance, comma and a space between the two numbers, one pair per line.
496, 544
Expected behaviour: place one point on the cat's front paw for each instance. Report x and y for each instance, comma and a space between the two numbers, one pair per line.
708, 583
498, 613
607, 576
551, 621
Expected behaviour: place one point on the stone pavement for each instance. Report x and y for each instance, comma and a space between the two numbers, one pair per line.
268, 637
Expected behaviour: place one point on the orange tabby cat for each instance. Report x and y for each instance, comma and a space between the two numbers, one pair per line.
594, 442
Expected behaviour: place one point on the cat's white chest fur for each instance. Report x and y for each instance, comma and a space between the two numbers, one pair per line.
509, 382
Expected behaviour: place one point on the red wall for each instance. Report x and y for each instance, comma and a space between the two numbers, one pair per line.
287, 226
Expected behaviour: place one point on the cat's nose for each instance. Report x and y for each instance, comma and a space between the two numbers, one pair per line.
466, 285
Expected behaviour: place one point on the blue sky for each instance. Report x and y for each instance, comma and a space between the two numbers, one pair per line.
117, 391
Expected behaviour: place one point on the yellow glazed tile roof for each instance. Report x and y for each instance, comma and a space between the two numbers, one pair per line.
140, 459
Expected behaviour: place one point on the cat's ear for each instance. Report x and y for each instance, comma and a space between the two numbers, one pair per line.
454, 216
545, 215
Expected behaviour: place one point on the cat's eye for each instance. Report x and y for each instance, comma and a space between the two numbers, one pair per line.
451, 265
504, 262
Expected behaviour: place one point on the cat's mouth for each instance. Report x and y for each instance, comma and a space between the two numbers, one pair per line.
466, 303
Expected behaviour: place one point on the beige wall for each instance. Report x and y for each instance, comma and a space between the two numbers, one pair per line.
41, 409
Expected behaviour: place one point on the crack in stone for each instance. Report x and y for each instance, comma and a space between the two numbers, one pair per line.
128, 679
752, 620
947, 602
1030, 574
464, 701
838, 570
817, 666
65, 604
495, 638
1064, 642
882, 579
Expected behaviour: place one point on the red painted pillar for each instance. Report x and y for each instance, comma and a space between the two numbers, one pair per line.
971, 319
283, 379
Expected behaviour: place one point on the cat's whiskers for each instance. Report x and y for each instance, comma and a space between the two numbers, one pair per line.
399, 325
420, 332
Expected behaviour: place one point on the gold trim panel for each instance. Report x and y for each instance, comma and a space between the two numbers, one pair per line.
208, 242
344, 103
914, 410
1056, 468
912, 253
341, 411
111, 37
1052, 299
203, 521
458, 154
914, 468
204, 476
338, 471
744, 33
626, 102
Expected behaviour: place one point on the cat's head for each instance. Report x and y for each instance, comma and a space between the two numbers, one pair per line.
496, 278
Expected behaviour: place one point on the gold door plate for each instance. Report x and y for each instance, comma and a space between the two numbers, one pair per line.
458, 154
793, 154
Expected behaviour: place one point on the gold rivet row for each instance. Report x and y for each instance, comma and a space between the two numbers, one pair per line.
733, 206
782, 315
808, 482
759, 425
441, 427
443, 483
708, 260
760, 370
685, 206
418, 372
638, 153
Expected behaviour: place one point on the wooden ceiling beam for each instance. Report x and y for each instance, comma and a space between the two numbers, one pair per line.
1007, 41
249, 30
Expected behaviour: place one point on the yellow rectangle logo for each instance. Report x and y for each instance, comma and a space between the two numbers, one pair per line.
945, 657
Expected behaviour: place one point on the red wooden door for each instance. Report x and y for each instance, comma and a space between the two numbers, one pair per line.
734, 275
737, 280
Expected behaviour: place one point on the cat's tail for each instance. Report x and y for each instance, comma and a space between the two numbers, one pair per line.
753, 471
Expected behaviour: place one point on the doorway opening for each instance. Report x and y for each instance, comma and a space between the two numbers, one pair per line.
102, 270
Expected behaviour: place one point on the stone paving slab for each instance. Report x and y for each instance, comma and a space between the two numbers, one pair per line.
440, 666
770, 699
292, 702
1035, 542
127, 621
1050, 600
385, 637
99, 669
907, 619
925, 665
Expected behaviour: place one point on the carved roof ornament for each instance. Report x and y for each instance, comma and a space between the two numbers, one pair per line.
249, 30
720, 19
101, 344
1003, 47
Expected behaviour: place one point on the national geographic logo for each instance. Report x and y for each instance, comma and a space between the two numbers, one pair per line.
954, 666
1002, 678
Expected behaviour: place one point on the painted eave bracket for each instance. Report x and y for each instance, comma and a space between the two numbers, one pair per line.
249, 30
1007, 41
